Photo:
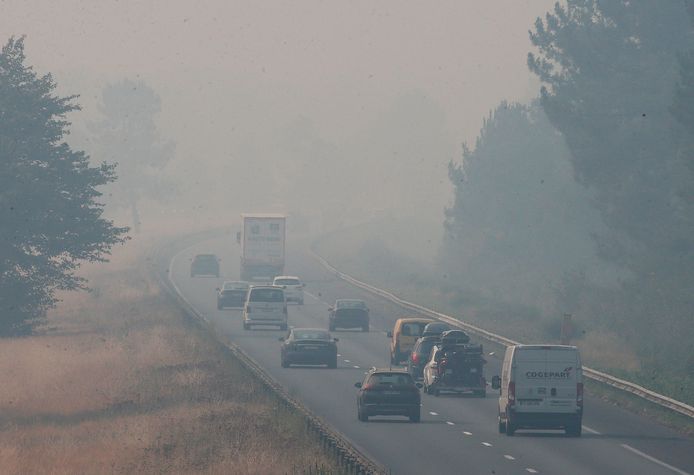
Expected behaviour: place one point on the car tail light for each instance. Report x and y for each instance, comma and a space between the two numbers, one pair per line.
511, 393
368, 387
415, 358
579, 394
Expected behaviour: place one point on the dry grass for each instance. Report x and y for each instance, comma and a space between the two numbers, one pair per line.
121, 383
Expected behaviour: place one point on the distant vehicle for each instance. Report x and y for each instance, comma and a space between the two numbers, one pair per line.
309, 346
455, 366
435, 329
232, 294
541, 388
262, 246
293, 288
204, 264
388, 392
265, 305
404, 334
420, 355
349, 313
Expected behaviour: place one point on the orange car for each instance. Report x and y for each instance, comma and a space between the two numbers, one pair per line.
404, 335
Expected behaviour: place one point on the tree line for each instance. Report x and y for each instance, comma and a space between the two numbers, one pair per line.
617, 107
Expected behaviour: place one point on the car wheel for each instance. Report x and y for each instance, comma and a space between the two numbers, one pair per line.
331, 328
425, 389
219, 306
502, 426
283, 327
510, 427
365, 328
301, 302
437, 392
416, 416
362, 415
333, 363
246, 326
285, 363
482, 393
573, 429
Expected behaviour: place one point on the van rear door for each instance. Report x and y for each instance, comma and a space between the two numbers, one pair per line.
545, 378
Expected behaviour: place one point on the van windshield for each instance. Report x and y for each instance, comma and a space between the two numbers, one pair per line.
266, 295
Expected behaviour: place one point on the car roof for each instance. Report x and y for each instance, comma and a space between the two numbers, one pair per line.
388, 370
286, 277
277, 287
205, 255
309, 329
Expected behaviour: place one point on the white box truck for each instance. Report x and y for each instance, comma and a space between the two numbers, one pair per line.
262, 246
541, 387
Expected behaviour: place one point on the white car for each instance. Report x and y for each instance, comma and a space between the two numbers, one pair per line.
265, 305
293, 287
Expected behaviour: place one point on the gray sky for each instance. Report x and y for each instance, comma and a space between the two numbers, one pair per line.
332, 61
232, 75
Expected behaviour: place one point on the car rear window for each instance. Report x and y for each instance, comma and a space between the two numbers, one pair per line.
287, 282
311, 335
400, 379
413, 329
266, 295
350, 304
206, 257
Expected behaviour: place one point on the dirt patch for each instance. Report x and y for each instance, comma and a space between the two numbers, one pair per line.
120, 382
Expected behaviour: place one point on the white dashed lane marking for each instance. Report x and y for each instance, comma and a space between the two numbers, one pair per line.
467, 433
347, 361
450, 423
531, 470
356, 367
433, 413
486, 444
509, 457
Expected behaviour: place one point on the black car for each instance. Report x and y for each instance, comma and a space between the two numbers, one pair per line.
309, 346
388, 392
204, 264
232, 295
420, 355
349, 313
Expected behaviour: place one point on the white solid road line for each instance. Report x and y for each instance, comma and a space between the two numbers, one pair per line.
592, 431
654, 460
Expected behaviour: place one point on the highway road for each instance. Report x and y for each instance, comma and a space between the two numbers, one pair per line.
456, 434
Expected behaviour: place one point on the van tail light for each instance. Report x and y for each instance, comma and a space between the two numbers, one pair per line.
511, 393
579, 394
415, 358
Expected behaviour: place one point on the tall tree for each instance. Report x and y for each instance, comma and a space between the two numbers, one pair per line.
127, 135
518, 221
609, 70
51, 219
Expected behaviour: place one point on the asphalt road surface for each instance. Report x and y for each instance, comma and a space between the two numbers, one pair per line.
456, 434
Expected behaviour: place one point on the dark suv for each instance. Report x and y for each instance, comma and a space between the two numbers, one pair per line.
388, 392
204, 264
349, 313
420, 355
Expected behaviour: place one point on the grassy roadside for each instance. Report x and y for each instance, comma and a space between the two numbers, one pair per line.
377, 262
121, 382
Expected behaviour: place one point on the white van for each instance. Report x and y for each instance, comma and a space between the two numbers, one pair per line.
265, 305
541, 388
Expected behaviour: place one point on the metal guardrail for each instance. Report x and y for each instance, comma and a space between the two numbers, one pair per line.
348, 457
612, 381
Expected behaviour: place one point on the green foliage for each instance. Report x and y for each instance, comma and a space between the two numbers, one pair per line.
610, 70
127, 134
50, 217
519, 220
